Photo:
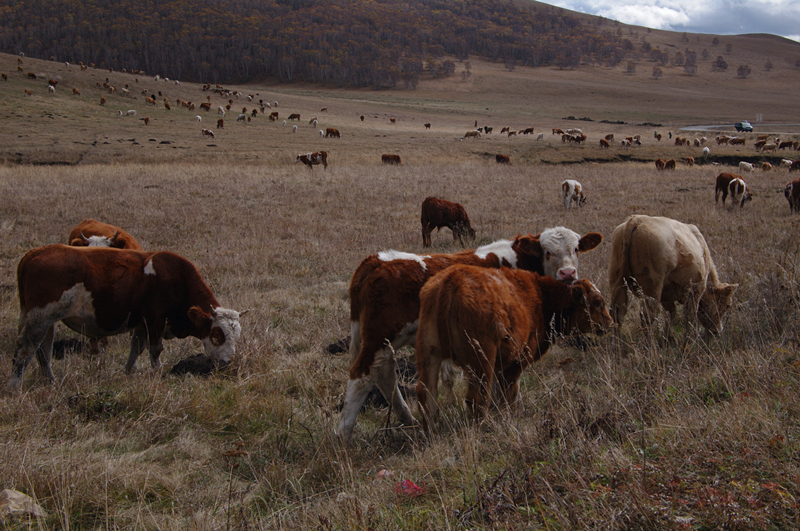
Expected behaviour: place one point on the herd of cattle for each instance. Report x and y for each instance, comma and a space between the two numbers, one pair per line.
491, 311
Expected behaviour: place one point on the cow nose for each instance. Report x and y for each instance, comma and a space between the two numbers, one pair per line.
566, 274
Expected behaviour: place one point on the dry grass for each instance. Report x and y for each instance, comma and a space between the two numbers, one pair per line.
636, 434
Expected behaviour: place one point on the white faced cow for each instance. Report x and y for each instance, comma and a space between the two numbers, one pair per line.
384, 304
102, 292
93, 233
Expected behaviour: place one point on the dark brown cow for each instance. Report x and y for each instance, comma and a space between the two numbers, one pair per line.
294, 116
93, 233
312, 159
390, 159
792, 194
502, 159
102, 292
670, 164
733, 184
528, 131
795, 166
493, 323
332, 132
427, 126
384, 304
220, 123
787, 144
660, 164
438, 213
273, 116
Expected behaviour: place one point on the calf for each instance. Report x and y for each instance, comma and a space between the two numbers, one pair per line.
502, 159
312, 159
384, 304
792, 194
390, 159
571, 190
493, 323
730, 182
438, 213
102, 292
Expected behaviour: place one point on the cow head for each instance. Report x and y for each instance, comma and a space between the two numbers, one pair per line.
591, 314
714, 303
559, 249
98, 241
219, 331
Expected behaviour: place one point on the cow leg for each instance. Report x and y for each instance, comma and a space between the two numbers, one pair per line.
508, 383
619, 302
156, 347
45, 353
355, 395
429, 361
479, 382
426, 237
138, 340
31, 334
387, 384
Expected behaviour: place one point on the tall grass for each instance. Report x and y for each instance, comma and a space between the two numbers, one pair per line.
634, 432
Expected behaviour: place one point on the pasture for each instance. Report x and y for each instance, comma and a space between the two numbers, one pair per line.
636, 433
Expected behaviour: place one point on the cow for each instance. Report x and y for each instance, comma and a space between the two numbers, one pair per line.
294, 116
729, 182
557, 131
604, 143
101, 292
670, 164
273, 116
572, 190
493, 323
472, 134
502, 159
766, 166
738, 141
792, 194
689, 161
660, 164
528, 131
668, 262
384, 304
438, 213
746, 166
760, 144
769, 147
786, 163
788, 144
220, 123
427, 126
795, 166
390, 159
312, 159
93, 233
332, 132
207, 132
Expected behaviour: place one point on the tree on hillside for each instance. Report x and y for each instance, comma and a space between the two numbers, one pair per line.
657, 72
720, 64
691, 56
743, 71
715, 41
631, 67
706, 54
678, 60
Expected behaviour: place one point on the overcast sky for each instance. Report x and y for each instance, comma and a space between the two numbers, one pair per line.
722, 17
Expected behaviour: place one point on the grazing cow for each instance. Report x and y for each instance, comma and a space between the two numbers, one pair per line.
609, 137
273, 116
729, 182
604, 143
670, 262
512, 133
392, 120
660, 164
93, 233
502, 159
504, 130
362, 117
787, 144
737, 141
75, 91
221, 110
762, 137
488, 130
760, 144
472, 134
220, 123
438, 213
294, 129
722, 139
311, 159
51, 89
690, 161
205, 106
493, 323
146, 120
571, 190
103, 292
670, 164
241, 118
745, 166
332, 132
321, 133
625, 143
795, 166
427, 126
766, 166
294, 116
792, 194
384, 304
390, 159
528, 131
207, 132
786, 163
706, 152
540, 136
27, 92
557, 131
769, 147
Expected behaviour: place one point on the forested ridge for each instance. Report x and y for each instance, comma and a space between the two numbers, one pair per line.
358, 43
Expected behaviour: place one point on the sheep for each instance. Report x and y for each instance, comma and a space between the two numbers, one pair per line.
706, 153
294, 129
131, 112
745, 166
221, 110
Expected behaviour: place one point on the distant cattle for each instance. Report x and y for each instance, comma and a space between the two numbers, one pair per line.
273, 116
689, 161
604, 143
392, 120
737, 141
146, 120
786, 163
787, 144
792, 194
528, 131
438, 213
668, 262
769, 147
294, 116
427, 126
572, 190
669, 165
332, 132
766, 166
472, 134
207, 132
390, 159
795, 166
746, 166
102, 292
660, 164
205, 106
734, 184
493, 323
93, 233
220, 123
384, 304
557, 131
312, 159
502, 159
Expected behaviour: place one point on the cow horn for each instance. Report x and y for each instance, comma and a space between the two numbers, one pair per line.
114, 238
84, 238
243, 312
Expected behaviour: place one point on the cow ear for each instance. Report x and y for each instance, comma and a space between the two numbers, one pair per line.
528, 244
589, 241
199, 318
578, 294
77, 242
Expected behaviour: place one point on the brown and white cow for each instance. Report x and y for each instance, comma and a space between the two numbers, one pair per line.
438, 213
792, 194
670, 262
312, 159
102, 292
572, 190
493, 323
502, 159
93, 233
390, 159
733, 184
384, 304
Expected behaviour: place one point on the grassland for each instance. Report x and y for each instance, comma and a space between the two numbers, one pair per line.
635, 434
